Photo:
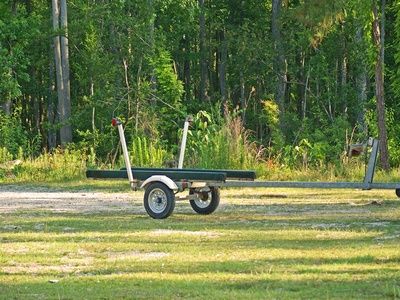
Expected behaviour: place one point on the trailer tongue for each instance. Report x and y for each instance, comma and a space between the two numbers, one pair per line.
161, 185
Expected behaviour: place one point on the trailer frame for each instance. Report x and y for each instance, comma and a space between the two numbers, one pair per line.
161, 185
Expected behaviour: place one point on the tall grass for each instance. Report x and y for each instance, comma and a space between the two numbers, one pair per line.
229, 147
145, 153
5, 155
225, 144
60, 165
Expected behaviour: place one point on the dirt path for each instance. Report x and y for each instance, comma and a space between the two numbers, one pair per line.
14, 199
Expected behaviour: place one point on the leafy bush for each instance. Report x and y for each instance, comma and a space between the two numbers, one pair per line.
12, 135
145, 153
5, 155
168, 106
221, 146
60, 165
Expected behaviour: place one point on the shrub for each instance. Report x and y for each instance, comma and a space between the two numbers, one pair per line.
222, 146
12, 134
60, 165
145, 153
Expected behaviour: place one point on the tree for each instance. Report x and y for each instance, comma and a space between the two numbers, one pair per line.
280, 61
378, 27
61, 56
203, 55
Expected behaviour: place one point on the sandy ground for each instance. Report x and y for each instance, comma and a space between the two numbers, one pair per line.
14, 199
18, 199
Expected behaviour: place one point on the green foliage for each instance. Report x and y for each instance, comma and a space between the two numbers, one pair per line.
221, 146
145, 153
141, 60
272, 118
5, 155
13, 60
58, 166
12, 135
168, 94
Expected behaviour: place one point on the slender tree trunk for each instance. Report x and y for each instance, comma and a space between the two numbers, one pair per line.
378, 36
51, 116
280, 61
361, 85
66, 129
138, 94
223, 57
343, 83
57, 58
93, 111
242, 97
203, 55
304, 104
343, 73
186, 70
127, 84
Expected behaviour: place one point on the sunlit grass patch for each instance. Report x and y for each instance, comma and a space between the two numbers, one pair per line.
296, 244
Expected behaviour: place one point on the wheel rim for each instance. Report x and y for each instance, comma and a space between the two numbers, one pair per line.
157, 200
203, 203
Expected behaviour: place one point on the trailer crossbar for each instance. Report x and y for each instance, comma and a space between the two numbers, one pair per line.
144, 174
310, 184
230, 174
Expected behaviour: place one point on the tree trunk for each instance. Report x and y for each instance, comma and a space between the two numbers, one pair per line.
361, 86
242, 97
186, 69
343, 83
57, 58
280, 61
62, 70
66, 129
51, 117
378, 36
203, 55
223, 56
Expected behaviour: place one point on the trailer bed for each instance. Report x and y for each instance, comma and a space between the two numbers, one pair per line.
145, 174
230, 174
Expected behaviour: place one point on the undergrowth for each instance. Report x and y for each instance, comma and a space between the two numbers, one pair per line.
212, 144
59, 165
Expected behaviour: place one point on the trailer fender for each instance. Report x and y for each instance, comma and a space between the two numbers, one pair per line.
160, 178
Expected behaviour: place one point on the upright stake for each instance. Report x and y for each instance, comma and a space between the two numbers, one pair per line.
118, 123
188, 120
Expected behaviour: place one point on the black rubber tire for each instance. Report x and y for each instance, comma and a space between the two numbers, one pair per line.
398, 193
212, 205
159, 200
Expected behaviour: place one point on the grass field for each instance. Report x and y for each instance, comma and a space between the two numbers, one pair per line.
259, 244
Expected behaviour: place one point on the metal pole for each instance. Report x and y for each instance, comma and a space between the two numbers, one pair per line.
116, 122
369, 175
188, 120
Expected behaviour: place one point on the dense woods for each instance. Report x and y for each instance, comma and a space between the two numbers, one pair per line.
287, 81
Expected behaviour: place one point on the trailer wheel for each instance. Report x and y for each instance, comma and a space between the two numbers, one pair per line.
207, 202
398, 193
159, 200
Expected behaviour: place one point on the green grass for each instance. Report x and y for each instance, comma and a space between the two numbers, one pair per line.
260, 244
106, 186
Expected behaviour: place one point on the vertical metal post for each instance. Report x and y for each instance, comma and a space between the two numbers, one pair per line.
188, 120
116, 122
369, 175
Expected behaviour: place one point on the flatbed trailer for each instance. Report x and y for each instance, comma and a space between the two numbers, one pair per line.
162, 184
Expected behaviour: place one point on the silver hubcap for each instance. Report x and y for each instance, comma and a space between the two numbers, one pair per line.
203, 203
157, 200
